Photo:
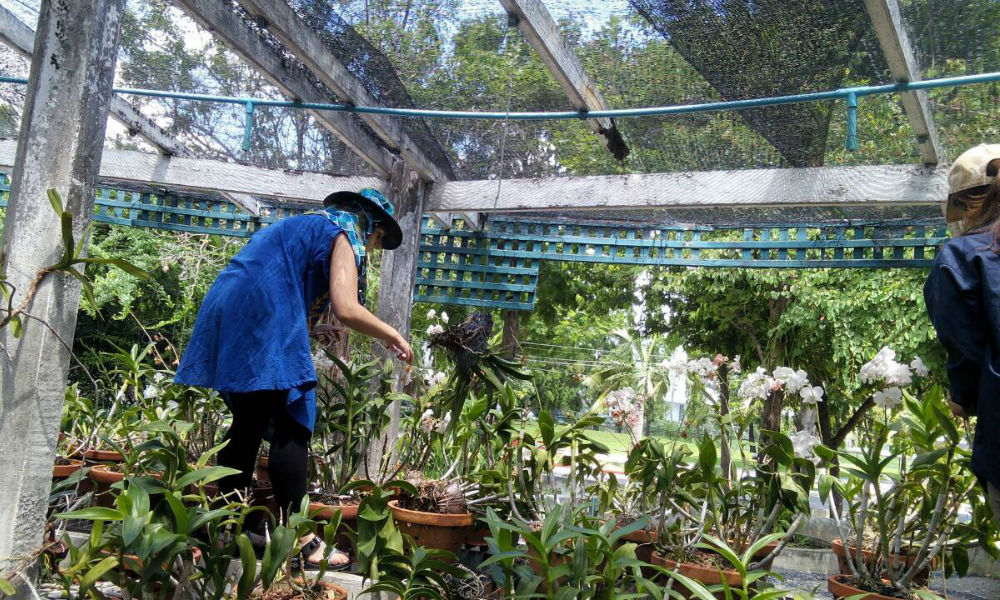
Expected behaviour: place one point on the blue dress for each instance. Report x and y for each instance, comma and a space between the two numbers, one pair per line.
963, 301
252, 330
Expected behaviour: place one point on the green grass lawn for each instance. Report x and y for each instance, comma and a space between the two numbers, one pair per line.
619, 445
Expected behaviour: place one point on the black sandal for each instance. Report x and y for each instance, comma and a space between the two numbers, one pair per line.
301, 561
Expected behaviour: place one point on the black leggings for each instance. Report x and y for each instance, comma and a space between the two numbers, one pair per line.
289, 455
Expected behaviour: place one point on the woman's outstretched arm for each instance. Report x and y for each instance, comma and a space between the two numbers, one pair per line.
344, 301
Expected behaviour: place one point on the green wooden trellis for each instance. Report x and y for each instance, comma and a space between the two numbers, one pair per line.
498, 267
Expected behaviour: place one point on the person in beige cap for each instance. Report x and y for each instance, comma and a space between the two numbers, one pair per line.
963, 301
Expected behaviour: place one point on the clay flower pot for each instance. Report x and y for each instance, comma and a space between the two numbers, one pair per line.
260, 472
104, 475
898, 561
706, 574
840, 588
348, 512
643, 538
432, 530
65, 470
321, 591
96, 456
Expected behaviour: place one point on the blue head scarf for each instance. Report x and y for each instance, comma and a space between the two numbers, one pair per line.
358, 234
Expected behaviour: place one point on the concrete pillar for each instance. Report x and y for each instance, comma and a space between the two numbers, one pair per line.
62, 133
398, 276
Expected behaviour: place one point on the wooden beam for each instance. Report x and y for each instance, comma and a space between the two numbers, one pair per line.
442, 219
288, 76
899, 185
193, 174
15, 34
541, 31
21, 38
820, 186
302, 41
903, 65
472, 220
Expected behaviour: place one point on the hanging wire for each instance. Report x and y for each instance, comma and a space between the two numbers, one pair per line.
511, 23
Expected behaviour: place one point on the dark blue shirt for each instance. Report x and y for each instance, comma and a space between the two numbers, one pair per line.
963, 301
252, 330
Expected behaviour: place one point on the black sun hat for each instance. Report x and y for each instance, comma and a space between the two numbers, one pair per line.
380, 209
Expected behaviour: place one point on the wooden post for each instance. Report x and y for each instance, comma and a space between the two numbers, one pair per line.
398, 276
511, 332
62, 133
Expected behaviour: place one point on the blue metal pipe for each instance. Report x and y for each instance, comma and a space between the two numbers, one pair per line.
247, 126
837, 94
852, 122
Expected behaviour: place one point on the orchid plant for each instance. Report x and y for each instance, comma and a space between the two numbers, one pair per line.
740, 499
897, 524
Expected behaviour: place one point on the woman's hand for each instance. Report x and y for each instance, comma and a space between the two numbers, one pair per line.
401, 348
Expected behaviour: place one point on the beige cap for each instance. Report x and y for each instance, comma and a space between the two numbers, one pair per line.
969, 170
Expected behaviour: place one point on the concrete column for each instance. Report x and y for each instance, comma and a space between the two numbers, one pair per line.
61, 137
398, 276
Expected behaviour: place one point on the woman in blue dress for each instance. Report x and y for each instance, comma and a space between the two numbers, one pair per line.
251, 337
963, 300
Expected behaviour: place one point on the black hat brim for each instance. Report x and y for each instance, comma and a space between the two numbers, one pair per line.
393, 234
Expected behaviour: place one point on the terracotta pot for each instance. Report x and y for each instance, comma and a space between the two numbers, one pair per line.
260, 472
102, 474
348, 515
476, 535
431, 530
131, 562
348, 512
95, 456
644, 538
840, 588
64, 471
327, 591
536, 567
708, 575
898, 561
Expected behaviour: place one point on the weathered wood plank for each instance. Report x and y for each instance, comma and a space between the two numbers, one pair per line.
542, 32
302, 41
473, 220
820, 186
903, 65
15, 34
397, 277
20, 37
442, 219
173, 172
288, 76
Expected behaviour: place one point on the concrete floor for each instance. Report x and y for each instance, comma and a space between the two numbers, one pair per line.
959, 588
